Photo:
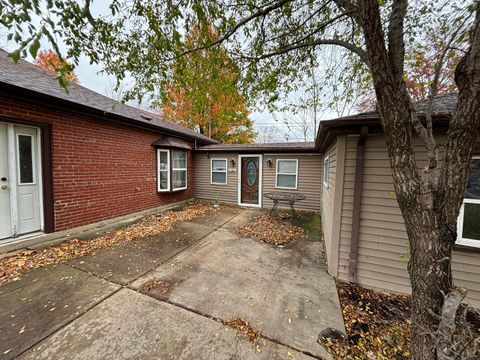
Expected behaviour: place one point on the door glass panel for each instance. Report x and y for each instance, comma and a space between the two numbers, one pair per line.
25, 159
471, 223
251, 172
473, 184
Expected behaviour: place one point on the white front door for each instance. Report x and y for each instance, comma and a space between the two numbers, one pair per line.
20, 180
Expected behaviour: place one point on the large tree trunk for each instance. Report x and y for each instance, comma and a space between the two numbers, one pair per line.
429, 200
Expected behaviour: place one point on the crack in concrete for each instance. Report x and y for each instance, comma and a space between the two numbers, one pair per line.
179, 305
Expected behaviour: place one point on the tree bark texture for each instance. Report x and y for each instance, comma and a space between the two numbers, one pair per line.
429, 200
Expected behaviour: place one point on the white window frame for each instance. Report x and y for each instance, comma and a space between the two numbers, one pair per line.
460, 239
326, 170
167, 171
218, 171
181, 169
17, 153
279, 173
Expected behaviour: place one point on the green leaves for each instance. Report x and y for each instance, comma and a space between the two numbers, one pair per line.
33, 49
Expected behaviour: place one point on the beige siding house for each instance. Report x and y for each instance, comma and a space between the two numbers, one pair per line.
218, 173
346, 176
365, 235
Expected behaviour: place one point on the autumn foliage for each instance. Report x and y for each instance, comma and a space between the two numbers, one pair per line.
419, 73
49, 61
204, 94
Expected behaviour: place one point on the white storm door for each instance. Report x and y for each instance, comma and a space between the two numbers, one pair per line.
27, 160
5, 219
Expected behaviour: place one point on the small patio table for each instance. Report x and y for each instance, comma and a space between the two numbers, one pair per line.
287, 197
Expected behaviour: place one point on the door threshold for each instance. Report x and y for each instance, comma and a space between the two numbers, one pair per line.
12, 240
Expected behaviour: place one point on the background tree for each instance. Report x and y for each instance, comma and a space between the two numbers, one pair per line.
420, 66
50, 62
278, 41
203, 94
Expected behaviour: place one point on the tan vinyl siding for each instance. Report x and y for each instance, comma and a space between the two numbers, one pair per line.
204, 189
309, 180
383, 239
328, 200
308, 183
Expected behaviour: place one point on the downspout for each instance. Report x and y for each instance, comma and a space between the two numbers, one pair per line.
357, 201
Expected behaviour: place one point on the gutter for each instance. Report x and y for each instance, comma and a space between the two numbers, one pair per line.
357, 203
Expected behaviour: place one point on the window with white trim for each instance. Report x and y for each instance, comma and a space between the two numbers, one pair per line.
468, 227
326, 170
179, 169
218, 171
286, 176
172, 170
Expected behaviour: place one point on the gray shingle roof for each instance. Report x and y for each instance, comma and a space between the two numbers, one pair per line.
27, 76
275, 147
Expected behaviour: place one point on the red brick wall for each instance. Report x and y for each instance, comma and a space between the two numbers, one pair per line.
101, 170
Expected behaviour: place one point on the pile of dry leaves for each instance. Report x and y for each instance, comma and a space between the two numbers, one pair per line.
277, 229
244, 328
12, 267
162, 286
377, 325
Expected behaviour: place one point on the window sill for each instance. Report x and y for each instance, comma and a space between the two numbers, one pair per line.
171, 191
286, 188
221, 184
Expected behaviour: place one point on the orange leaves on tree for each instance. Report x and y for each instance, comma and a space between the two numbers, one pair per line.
204, 94
419, 74
49, 61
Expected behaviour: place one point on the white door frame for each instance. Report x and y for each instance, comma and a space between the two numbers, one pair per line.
260, 179
13, 176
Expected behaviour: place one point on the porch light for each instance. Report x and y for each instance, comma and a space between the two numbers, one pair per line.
269, 162
232, 162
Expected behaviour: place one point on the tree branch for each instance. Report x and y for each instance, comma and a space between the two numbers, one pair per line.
296, 46
244, 21
396, 43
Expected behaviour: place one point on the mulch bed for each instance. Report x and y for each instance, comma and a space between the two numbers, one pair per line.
12, 267
377, 325
276, 230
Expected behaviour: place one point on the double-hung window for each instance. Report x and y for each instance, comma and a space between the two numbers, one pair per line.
179, 169
286, 174
468, 228
218, 171
172, 170
326, 170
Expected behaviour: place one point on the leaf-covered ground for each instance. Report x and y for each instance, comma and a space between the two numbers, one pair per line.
377, 325
277, 229
12, 267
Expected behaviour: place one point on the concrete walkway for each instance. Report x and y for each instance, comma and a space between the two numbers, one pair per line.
96, 307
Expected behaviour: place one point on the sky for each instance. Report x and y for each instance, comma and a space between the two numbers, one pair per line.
92, 77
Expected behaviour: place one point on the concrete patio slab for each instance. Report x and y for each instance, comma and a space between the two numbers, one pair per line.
43, 301
284, 293
242, 218
126, 262
220, 217
130, 325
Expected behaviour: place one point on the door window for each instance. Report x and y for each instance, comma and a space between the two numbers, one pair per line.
25, 159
